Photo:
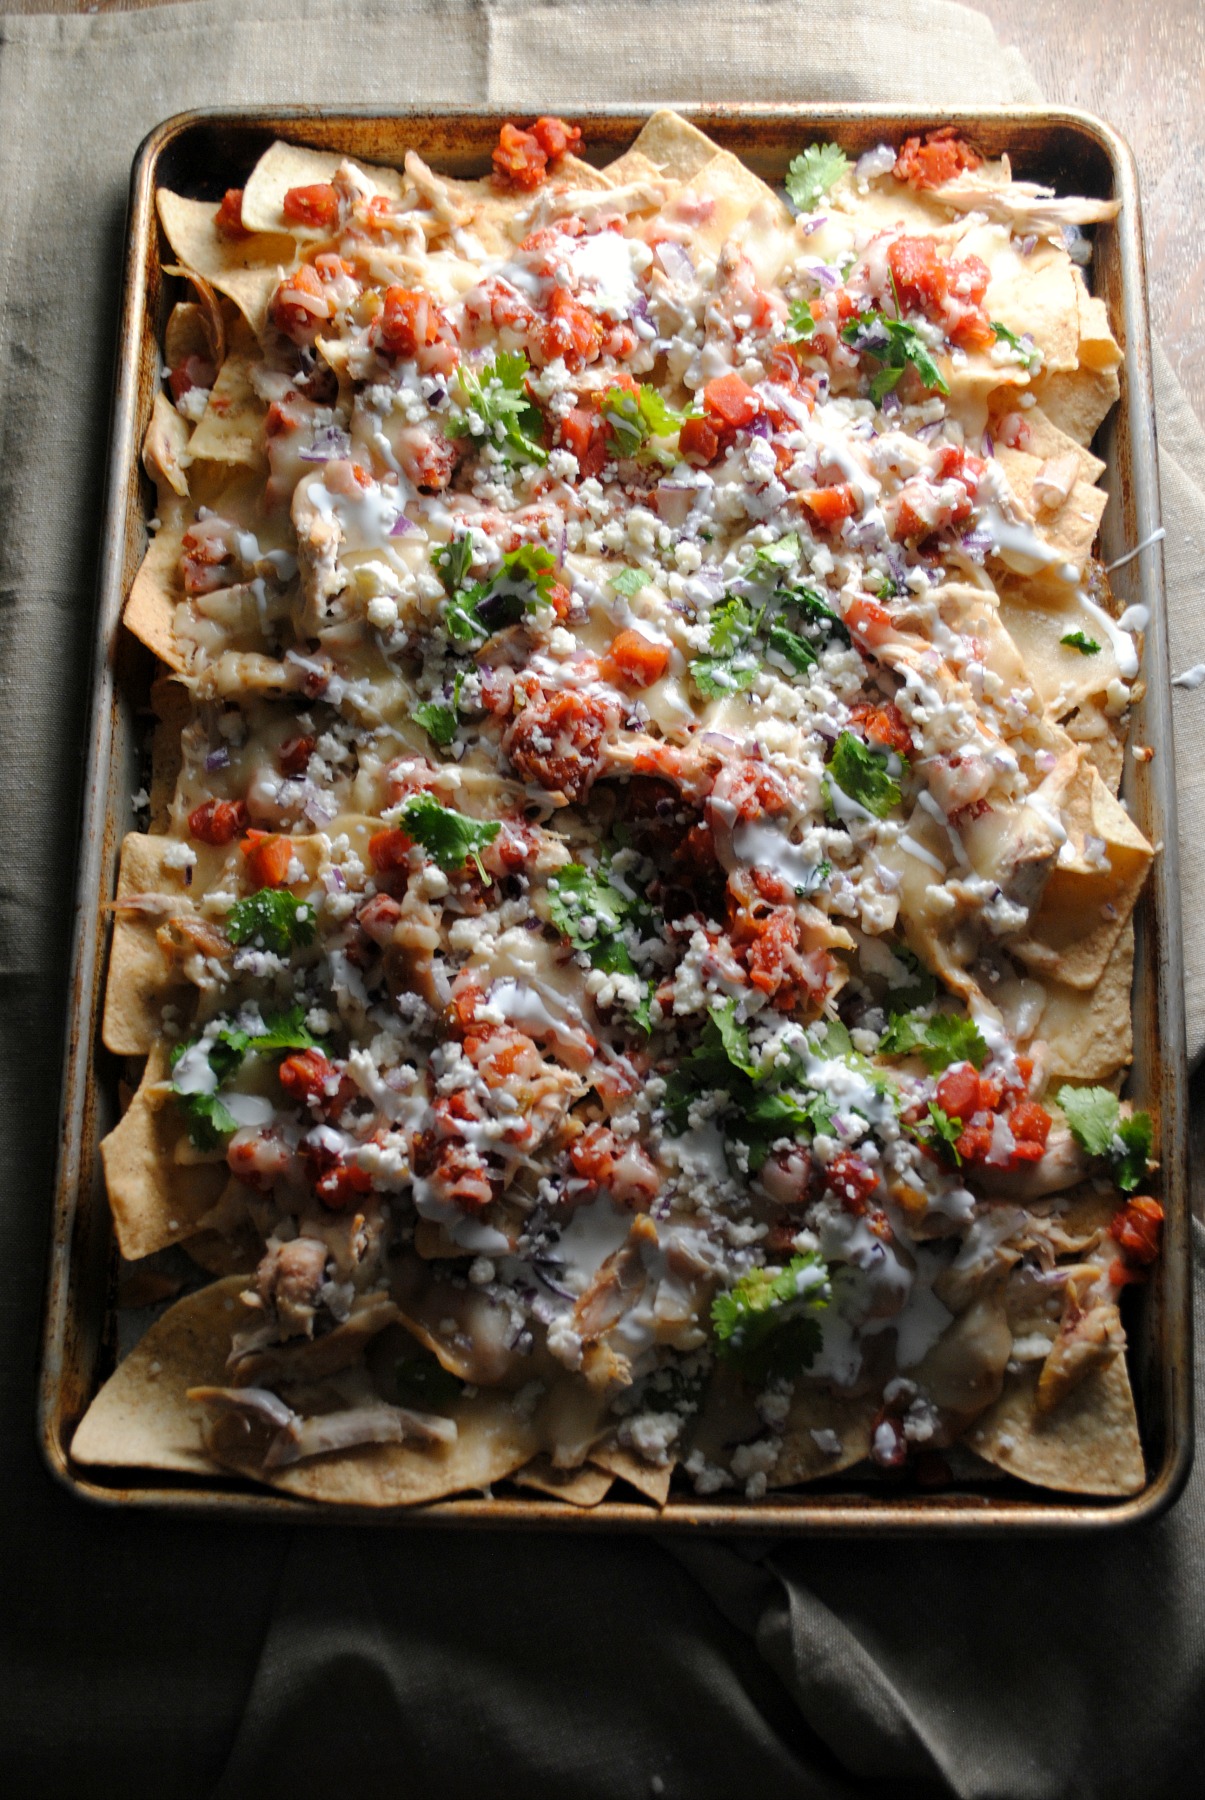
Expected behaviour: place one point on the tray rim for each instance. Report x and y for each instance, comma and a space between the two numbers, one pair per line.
811, 1511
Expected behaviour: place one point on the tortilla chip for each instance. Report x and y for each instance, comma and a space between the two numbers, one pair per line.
675, 147
1102, 739
1087, 1444
1077, 402
248, 270
155, 1200
493, 1440
577, 1487
1038, 616
1088, 1032
1093, 887
150, 611
647, 1478
139, 975
231, 429
185, 334
847, 1418
1047, 441
283, 166
1098, 348
736, 202
634, 166
165, 451
1039, 298
141, 1417
313, 1359
1071, 528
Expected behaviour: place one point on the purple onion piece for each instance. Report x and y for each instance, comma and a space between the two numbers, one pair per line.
401, 526
987, 444
329, 445
674, 261
218, 759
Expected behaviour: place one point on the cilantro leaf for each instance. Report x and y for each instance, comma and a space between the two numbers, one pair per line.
525, 580
943, 1133
274, 919
861, 773
209, 1122
1131, 1165
629, 581
800, 323
636, 418
449, 838
797, 651
894, 343
453, 561
731, 667
771, 559
1094, 1115
814, 173
920, 990
498, 410
1028, 353
767, 1323
282, 1031
592, 913
734, 1036
1079, 640
807, 601
440, 721
940, 1041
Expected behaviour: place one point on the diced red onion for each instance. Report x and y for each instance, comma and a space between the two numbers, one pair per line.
926, 433
330, 445
319, 808
673, 502
335, 881
879, 161
401, 526
674, 261
987, 445
1028, 245
218, 759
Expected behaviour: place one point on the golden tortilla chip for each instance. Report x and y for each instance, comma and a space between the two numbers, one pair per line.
1078, 401
156, 1199
150, 611
1071, 527
166, 454
139, 975
173, 711
1039, 298
1093, 887
1087, 1444
1102, 739
675, 147
825, 1432
1037, 617
647, 1478
248, 269
1098, 348
231, 429
578, 1487
283, 166
1088, 1032
141, 1417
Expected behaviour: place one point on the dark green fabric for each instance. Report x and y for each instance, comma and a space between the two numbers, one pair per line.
144, 1659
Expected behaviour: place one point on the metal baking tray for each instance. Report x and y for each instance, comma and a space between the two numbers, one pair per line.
203, 153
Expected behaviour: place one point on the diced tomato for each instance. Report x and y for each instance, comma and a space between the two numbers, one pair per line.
949, 292
1137, 1228
390, 850
519, 158
698, 442
341, 1186
316, 205
974, 1143
869, 621
636, 660
305, 1074
217, 821
852, 1180
918, 271
958, 1092
268, 858
730, 403
830, 505
571, 331
555, 137
295, 753
301, 305
1030, 1126
884, 724
936, 158
408, 319
377, 919
556, 741
228, 220
193, 372
584, 434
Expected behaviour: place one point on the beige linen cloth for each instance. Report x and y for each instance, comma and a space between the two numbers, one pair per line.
152, 1657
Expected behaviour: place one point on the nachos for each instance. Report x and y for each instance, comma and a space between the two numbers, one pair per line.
628, 969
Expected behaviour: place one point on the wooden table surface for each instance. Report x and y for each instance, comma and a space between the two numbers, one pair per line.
1140, 64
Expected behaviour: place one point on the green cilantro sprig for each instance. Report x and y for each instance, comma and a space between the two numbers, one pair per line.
449, 838
813, 173
273, 919
588, 909
768, 1324
1029, 353
800, 323
894, 344
943, 1133
1098, 1126
472, 613
732, 665
497, 409
635, 420
940, 1041
629, 582
440, 722
208, 1119
861, 773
